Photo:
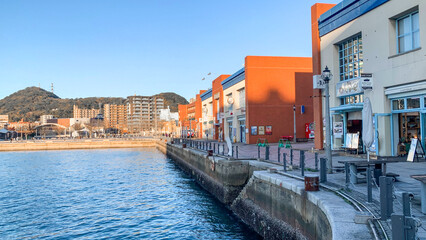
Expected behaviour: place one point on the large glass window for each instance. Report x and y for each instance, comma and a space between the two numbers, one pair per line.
242, 98
351, 58
408, 32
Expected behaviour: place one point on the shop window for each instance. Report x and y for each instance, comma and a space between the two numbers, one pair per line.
398, 104
242, 97
351, 58
408, 32
413, 103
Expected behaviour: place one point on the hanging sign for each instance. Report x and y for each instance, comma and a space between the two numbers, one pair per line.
416, 149
318, 82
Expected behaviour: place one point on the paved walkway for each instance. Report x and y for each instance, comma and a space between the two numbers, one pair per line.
404, 182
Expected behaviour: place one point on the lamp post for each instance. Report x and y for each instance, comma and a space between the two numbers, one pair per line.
326, 76
294, 122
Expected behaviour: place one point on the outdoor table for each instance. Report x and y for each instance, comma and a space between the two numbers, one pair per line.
422, 179
354, 164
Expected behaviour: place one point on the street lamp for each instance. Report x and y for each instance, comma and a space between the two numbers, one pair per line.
326, 76
294, 122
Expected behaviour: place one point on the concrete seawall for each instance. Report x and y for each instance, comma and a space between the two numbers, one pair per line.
274, 205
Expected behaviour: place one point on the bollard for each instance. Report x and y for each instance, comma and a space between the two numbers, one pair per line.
316, 161
214, 147
267, 153
347, 173
386, 197
369, 186
258, 152
285, 162
404, 226
291, 156
279, 154
406, 204
223, 149
236, 148
302, 162
232, 147
210, 146
323, 170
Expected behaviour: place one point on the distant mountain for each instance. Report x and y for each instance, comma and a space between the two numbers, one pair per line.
32, 102
172, 100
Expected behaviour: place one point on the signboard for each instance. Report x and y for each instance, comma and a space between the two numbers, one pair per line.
366, 81
268, 130
254, 130
261, 130
348, 88
416, 149
318, 82
352, 140
338, 129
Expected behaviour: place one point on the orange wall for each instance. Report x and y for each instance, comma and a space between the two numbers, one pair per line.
64, 122
273, 86
217, 88
316, 11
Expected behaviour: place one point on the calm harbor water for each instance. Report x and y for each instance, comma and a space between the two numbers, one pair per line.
107, 194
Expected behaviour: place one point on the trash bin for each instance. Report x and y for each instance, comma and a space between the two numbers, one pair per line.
311, 183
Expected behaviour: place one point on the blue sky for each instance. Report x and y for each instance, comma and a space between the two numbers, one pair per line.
105, 48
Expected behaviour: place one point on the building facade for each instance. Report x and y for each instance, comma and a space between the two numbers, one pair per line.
380, 40
190, 117
258, 99
207, 118
4, 120
115, 118
85, 113
143, 113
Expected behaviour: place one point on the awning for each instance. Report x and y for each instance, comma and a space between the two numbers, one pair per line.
348, 108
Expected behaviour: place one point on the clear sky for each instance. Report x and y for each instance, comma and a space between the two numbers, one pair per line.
105, 48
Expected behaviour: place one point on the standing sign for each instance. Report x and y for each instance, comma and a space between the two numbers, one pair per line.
416, 149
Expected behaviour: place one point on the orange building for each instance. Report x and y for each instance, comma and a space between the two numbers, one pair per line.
259, 99
217, 95
189, 116
316, 11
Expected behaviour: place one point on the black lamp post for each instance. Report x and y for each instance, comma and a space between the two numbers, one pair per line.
294, 122
326, 76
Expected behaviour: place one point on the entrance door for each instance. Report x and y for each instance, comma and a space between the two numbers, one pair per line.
243, 131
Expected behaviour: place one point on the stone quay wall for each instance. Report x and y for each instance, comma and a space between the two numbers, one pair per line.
274, 205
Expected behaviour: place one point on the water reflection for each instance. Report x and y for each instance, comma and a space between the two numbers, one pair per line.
115, 193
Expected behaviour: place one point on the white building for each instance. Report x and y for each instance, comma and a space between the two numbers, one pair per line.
387, 39
44, 118
207, 115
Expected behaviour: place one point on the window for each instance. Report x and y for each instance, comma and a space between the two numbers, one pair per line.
398, 104
413, 103
229, 101
353, 99
408, 32
242, 98
350, 58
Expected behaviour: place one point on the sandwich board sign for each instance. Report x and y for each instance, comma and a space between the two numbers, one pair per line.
416, 149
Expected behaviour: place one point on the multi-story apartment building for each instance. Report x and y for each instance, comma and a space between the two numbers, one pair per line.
44, 118
115, 117
383, 41
85, 113
143, 113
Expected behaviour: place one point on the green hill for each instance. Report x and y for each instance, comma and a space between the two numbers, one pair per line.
32, 102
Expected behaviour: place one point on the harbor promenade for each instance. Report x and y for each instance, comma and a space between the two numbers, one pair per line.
404, 182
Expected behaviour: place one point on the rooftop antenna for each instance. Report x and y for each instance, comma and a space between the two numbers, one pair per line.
51, 87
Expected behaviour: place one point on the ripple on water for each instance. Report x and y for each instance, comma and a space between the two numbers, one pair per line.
107, 194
